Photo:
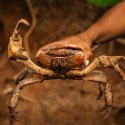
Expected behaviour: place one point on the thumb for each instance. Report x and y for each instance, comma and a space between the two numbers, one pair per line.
88, 53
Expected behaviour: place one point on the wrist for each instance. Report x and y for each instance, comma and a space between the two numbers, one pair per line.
85, 38
92, 34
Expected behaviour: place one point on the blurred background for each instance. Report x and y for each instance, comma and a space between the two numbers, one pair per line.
57, 102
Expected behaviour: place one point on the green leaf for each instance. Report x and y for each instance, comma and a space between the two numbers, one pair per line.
103, 2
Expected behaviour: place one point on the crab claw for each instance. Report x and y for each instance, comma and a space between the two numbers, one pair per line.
15, 48
17, 28
19, 54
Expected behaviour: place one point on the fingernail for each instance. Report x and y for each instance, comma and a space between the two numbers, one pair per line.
86, 62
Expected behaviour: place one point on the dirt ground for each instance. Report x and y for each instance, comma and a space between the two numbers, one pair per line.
57, 102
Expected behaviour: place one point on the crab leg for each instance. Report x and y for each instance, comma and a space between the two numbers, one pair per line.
97, 76
101, 89
16, 94
119, 70
102, 61
23, 74
104, 87
108, 98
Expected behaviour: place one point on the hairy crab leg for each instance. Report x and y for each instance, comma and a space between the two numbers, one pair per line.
23, 74
108, 98
119, 70
16, 94
101, 89
102, 61
104, 86
97, 76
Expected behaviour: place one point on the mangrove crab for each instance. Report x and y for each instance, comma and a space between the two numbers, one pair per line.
59, 63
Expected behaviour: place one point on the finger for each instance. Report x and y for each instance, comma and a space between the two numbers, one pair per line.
88, 53
60, 44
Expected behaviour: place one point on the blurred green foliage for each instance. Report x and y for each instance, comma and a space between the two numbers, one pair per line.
103, 2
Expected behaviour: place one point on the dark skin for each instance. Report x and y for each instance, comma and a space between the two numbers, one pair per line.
110, 26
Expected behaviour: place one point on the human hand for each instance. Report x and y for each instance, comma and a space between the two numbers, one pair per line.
79, 41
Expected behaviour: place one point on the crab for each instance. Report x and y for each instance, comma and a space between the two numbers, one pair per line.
59, 63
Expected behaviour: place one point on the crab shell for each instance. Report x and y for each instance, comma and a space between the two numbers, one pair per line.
60, 58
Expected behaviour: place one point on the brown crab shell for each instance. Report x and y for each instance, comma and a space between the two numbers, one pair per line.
67, 58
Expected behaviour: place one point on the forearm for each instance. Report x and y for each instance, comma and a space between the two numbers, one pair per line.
110, 26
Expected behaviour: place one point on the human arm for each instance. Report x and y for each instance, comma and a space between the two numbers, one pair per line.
110, 26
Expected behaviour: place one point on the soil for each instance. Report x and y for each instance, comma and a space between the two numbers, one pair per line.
56, 102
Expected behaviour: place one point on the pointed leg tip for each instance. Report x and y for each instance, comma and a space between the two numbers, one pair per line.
24, 21
102, 109
99, 96
107, 114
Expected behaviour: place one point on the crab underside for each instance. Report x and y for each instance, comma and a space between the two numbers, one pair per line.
17, 52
